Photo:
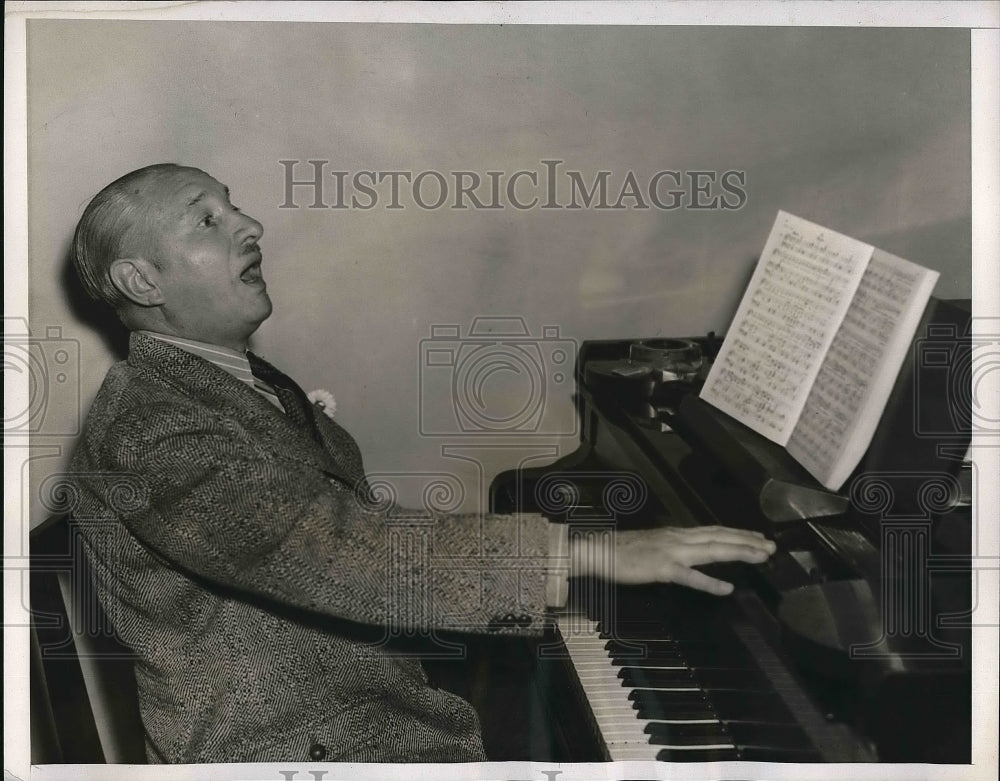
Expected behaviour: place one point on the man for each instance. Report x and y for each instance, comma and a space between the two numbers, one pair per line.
245, 562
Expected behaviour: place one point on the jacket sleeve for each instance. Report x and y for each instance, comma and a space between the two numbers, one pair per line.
218, 503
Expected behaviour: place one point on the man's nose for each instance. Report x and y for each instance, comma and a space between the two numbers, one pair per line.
248, 229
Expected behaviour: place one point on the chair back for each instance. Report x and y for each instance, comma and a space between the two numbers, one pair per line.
84, 702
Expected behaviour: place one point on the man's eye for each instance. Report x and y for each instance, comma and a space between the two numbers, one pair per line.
208, 221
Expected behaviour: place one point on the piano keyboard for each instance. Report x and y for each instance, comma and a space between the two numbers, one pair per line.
659, 695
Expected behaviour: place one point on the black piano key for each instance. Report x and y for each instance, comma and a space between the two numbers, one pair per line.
693, 633
667, 738
680, 698
671, 705
684, 732
715, 654
753, 706
697, 755
653, 711
709, 679
649, 651
768, 743
651, 677
650, 663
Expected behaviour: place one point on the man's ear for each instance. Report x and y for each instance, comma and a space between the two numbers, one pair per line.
137, 280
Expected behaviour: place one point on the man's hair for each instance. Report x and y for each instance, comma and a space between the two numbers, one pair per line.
107, 231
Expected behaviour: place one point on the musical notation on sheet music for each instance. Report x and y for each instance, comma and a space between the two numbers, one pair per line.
832, 420
797, 298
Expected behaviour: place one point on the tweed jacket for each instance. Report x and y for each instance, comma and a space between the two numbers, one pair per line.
261, 590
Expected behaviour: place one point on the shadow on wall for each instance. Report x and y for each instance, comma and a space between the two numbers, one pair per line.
100, 317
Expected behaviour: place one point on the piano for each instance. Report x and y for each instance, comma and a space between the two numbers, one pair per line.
851, 644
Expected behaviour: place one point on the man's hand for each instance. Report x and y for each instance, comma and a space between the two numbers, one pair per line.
667, 555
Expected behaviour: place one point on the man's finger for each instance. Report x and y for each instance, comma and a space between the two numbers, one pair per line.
710, 552
718, 528
691, 578
708, 534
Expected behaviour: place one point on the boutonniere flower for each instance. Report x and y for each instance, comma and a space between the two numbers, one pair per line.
324, 400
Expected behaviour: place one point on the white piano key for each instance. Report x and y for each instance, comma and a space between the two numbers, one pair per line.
621, 729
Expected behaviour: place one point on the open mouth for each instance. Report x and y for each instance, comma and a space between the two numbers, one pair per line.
252, 274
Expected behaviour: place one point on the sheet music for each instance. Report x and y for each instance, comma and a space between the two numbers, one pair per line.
797, 298
855, 380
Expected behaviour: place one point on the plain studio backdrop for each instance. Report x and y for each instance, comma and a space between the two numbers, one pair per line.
865, 131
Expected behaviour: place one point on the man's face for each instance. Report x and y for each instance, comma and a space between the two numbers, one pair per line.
208, 260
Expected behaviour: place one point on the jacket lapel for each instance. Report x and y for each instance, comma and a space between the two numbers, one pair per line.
196, 377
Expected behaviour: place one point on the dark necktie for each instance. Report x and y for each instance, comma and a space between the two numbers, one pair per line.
297, 408
291, 396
